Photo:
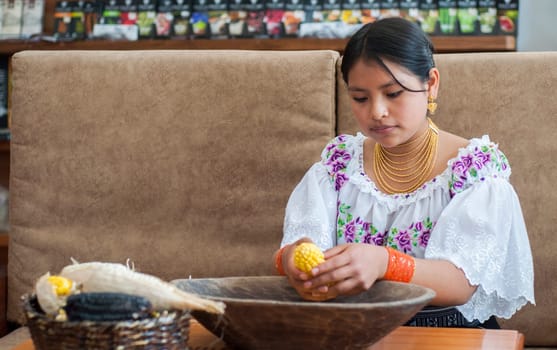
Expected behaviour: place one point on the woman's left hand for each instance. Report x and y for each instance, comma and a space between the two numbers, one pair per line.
348, 269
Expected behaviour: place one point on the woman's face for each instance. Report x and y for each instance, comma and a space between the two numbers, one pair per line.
385, 111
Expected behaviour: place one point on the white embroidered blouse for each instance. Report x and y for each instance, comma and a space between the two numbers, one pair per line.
469, 215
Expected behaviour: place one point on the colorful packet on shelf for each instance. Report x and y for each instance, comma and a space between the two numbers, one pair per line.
91, 16
111, 13
332, 10
428, 16
238, 17
78, 20
255, 21
293, 16
409, 10
313, 23
447, 16
371, 10
351, 16
351, 12
163, 21
181, 22
128, 11
63, 21
146, 14
10, 24
487, 16
467, 15
390, 8
274, 12
200, 19
507, 15
32, 18
324, 20
218, 19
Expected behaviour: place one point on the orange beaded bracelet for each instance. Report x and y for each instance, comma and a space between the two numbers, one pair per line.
400, 266
278, 262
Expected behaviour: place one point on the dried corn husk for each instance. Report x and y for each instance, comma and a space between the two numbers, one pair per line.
112, 277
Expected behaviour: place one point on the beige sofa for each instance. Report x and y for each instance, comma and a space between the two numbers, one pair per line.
182, 161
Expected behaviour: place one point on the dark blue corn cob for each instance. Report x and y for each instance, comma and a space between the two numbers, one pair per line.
107, 307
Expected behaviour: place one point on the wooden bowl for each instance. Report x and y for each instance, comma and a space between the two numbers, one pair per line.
266, 313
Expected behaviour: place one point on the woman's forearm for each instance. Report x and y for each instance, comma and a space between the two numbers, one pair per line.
449, 282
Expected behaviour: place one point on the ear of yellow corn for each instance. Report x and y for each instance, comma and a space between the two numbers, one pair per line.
307, 256
62, 285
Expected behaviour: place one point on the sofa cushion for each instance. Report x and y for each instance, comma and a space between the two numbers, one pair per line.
181, 161
509, 97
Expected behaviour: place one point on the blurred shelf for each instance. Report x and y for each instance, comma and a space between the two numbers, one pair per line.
464, 43
443, 44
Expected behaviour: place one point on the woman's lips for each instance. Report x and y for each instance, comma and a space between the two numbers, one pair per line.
382, 129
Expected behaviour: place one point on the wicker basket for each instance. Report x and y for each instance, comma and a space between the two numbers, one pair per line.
169, 331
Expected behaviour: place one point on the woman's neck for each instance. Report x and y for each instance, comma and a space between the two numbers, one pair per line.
410, 147
405, 167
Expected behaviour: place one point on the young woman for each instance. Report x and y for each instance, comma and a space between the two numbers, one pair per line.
403, 200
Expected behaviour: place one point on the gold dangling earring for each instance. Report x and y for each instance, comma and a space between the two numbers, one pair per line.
431, 105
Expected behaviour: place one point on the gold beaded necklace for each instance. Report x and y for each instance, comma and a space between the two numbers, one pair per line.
411, 173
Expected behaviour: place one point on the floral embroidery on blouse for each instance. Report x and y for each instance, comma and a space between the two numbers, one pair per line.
336, 159
416, 235
474, 166
356, 230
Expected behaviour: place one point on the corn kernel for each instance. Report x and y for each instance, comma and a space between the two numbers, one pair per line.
307, 256
62, 285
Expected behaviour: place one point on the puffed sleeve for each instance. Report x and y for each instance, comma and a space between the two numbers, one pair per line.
482, 232
310, 211
311, 208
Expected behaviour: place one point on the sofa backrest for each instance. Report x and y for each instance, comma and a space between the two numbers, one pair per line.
180, 161
508, 96
183, 161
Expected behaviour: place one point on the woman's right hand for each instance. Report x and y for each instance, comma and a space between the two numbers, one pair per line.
297, 277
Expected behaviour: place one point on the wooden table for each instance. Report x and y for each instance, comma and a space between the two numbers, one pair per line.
402, 338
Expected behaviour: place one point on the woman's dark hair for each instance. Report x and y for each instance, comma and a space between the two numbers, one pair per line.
393, 39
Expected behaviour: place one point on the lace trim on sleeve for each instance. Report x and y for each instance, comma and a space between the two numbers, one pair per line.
482, 232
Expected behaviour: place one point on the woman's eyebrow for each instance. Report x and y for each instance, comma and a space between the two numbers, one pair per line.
356, 89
